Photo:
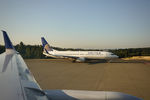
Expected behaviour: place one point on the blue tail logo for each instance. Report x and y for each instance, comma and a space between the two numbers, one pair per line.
46, 45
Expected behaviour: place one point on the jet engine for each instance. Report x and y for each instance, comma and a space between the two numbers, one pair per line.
80, 59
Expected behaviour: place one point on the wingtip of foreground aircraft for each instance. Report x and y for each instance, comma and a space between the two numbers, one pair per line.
8, 43
24, 87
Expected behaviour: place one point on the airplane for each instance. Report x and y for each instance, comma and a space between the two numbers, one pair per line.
77, 56
18, 83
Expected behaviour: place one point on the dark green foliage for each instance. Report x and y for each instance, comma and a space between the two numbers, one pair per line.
122, 53
27, 51
35, 51
2, 49
30, 51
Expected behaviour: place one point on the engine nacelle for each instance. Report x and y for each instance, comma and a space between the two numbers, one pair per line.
80, 60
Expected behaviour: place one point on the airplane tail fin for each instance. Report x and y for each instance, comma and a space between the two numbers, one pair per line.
8, 44
46, 46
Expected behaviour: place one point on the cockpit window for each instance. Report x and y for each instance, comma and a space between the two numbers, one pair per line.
34, 94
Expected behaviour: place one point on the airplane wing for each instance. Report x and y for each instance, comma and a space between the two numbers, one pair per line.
87, 95
17, 82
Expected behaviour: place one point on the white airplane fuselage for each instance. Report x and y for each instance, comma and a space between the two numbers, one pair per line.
81, 54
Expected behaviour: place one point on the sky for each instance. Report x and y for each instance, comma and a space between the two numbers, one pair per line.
101, 24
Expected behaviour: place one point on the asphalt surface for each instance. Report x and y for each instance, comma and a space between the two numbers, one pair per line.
128, 77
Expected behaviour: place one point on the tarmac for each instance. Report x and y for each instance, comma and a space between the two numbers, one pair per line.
131, 77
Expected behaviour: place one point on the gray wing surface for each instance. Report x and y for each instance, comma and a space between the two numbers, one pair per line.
10, 87
16, 81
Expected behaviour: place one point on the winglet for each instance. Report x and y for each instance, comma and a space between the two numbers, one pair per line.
8, 44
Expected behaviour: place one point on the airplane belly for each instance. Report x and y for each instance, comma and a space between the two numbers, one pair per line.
97, 57
94, 57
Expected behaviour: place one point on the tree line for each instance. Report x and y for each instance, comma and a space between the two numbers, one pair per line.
36, 51
130, 52
27, 51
